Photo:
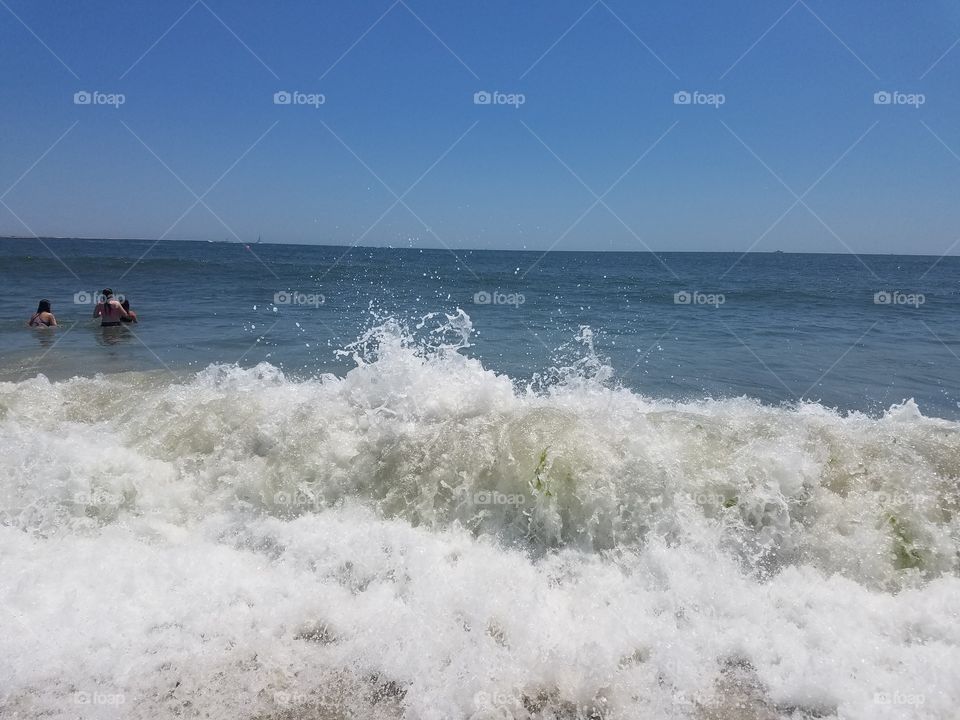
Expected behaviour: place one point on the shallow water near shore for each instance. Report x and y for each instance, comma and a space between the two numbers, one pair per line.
854, 333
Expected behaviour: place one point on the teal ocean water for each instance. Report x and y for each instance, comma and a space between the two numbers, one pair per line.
776, 327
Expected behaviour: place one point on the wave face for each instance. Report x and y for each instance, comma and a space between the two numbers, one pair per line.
422, 538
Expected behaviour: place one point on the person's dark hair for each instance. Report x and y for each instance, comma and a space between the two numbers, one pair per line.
106, 294
43, 306
125, 304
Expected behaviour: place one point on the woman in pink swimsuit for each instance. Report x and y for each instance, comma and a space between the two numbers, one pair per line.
109, 310
43, 317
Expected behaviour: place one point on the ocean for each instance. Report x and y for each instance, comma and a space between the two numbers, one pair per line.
324, 482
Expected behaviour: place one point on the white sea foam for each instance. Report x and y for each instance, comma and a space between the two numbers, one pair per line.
424, 539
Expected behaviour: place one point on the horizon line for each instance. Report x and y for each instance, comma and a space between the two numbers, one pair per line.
470, 250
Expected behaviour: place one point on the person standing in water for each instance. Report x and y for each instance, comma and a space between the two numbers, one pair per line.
43, 317
109, 310
131, 315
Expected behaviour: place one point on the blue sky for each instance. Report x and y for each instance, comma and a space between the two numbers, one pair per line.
398, 79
